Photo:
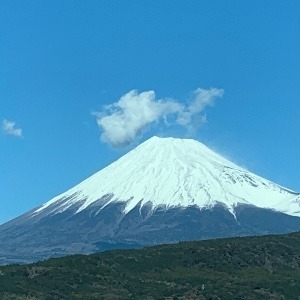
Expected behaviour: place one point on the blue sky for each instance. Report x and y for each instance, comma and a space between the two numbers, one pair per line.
62, 61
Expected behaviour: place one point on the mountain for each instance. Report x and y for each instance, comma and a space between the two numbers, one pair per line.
165, 190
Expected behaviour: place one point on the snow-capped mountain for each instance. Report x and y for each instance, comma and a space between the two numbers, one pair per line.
165, 190
173, 172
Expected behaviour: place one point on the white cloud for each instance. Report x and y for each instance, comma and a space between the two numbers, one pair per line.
124, 120
192, 116
9, 128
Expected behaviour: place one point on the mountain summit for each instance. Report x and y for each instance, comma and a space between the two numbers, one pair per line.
165, 190
169, 172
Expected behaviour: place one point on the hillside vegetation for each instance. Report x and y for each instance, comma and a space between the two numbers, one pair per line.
266, 267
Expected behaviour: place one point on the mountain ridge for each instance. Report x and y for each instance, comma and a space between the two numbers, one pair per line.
266, 267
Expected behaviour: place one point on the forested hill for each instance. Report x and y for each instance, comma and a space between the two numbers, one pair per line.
265, 267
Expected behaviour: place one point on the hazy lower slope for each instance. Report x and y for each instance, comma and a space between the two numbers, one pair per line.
91, 231
266, 267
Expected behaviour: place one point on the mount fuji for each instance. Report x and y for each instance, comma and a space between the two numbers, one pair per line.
164, 191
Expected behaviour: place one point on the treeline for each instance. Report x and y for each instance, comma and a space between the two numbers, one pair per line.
266, 267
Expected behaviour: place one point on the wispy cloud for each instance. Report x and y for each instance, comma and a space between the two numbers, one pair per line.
124, 120
192, 116
9, 127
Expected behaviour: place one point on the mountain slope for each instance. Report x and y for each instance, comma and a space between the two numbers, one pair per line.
164, 191
176, 173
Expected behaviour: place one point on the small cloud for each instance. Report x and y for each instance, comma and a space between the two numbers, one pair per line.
192, 117
123, 121
9, 128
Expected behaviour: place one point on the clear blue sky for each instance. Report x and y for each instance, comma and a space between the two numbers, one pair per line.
60, 61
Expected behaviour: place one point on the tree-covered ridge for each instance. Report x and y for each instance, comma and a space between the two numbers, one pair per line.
265, 267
